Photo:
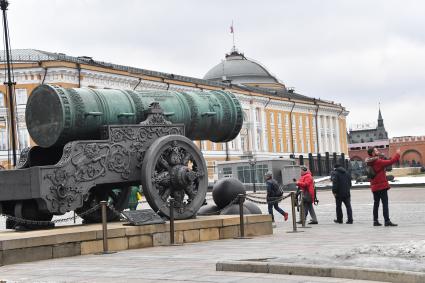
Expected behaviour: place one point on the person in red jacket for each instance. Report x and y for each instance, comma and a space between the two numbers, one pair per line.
379, 184
306, 184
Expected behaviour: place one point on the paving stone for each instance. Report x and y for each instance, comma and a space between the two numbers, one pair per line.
209, 234
232, 220
117, 244
65, 250
258, 218
27, 254
146, 229
191, 236
163, 239
229, 232
91, 247
259, 228
142, 241
112, 233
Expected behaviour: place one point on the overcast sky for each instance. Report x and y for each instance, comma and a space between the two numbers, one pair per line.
357, 53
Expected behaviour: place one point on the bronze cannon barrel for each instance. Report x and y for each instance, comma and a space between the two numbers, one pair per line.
56, 115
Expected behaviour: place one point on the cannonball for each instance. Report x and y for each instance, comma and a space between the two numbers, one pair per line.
234, 209
226, 190
252, 207
209, 209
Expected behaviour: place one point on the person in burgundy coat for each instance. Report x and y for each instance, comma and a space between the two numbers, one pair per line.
379, 184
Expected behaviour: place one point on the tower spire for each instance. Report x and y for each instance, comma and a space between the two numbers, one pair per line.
380, 119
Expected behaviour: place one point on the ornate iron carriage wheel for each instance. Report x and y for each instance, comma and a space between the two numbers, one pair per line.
174, 167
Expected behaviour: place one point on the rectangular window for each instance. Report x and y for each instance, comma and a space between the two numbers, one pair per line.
271, 118
3, 139
279, 119
1, 99
261, 170
227, 172
21, 96
23, 138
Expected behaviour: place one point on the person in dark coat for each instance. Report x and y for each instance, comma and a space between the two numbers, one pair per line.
272, 187
379, 184
341, 185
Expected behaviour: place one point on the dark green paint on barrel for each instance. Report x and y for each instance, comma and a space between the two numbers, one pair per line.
56, 115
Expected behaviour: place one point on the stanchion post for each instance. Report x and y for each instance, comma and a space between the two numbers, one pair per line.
74, 218
171, 221
241, 221
294, 218
241, 199
104, 227
302, 210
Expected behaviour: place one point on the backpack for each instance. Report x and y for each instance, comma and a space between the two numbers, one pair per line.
370, 172
277, 190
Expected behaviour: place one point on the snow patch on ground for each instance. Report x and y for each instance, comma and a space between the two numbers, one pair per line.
407, 256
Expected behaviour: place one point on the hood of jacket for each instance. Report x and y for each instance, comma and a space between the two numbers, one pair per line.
341, 170
305, 172
370, 160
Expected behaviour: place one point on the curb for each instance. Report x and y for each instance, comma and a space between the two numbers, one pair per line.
372, 274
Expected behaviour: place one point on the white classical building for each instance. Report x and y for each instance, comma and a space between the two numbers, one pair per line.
278, 122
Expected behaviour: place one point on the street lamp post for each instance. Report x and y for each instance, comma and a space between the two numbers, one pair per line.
252, 162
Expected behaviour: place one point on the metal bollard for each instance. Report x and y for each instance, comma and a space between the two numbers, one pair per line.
171, 221
104, 227
302, 210
241, 198
74, 217
294, 216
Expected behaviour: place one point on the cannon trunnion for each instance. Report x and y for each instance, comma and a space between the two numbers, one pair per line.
83, 159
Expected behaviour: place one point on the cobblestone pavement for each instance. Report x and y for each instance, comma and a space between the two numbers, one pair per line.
196, 262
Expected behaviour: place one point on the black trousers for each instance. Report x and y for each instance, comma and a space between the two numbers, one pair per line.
377, 197
347, 203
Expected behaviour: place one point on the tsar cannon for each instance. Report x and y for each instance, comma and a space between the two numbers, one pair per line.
93, 144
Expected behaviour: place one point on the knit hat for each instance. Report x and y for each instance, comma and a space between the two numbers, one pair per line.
303, 168
268, 174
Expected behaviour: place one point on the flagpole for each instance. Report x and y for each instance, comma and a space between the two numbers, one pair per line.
233, 34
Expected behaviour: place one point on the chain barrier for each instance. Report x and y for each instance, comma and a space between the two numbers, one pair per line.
48, 223
271, 199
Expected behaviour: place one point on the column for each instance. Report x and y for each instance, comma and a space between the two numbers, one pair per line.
338, 145
319, 132
253, 129
263, 129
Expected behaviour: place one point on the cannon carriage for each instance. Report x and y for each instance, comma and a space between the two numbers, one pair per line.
93, 144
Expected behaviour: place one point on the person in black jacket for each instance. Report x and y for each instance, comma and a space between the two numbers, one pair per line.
272, 188
341, 185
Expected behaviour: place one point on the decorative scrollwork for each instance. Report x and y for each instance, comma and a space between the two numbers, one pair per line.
119, 160
90, 161
155, 116
122, 134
